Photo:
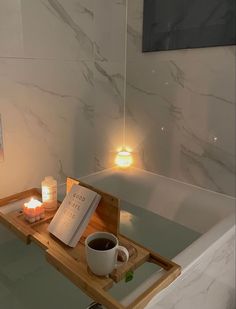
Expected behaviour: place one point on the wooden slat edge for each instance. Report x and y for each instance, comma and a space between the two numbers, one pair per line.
19, 196
39, 240
162, 261
70, 182
68, 267
142, 300
156, 258
142, 256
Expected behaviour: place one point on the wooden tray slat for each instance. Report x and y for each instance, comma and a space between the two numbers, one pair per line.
156, 287
72, 261
19, 196
142, 255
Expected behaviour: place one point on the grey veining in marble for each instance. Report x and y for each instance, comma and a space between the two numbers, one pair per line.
210, 283
109, 110
80, 35
178, 76
183, 110
61, 88
110, 28
46, 113
113, 80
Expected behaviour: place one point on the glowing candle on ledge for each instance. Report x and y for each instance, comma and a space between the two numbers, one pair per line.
33, 210
124, 159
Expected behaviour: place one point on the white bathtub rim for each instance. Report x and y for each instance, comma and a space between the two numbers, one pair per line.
223, 239
193, 253
181, 259
203, 243
121, 171
187, 184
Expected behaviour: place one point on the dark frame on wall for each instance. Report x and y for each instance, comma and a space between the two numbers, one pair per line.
181, 24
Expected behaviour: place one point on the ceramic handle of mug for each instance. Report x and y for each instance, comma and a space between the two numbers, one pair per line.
126, 253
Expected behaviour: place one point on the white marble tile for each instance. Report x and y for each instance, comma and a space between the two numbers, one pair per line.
183, 110
58, 29
43, 104
208, 284
109, 111
52, 97
11, 31
109, 78
110, 27
134, 30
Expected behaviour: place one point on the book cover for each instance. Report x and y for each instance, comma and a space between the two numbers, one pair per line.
73, 215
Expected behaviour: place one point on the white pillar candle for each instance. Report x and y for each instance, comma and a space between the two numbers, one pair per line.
49, 193
33, 210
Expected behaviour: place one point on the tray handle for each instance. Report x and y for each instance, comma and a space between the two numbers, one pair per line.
156, 287
68, 266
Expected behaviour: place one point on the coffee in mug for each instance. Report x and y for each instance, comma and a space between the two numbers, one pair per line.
102, 250
101, 244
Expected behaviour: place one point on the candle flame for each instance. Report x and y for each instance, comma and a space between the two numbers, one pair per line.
124, 159
33, 203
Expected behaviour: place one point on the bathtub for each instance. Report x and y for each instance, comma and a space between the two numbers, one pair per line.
205, 217
188, 223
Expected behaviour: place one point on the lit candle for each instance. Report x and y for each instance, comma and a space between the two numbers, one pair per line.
124, 159
33, 210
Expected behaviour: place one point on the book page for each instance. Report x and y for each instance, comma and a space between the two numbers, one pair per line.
71, 213
84, 222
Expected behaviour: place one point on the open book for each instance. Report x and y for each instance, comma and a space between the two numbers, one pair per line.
73, 215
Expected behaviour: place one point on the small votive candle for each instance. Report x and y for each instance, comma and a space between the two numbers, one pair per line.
33, 210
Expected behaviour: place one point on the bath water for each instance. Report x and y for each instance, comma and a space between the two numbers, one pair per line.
155, 232
27, 281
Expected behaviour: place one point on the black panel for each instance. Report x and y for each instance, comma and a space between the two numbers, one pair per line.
178, 24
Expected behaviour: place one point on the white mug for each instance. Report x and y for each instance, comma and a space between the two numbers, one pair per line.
103, 262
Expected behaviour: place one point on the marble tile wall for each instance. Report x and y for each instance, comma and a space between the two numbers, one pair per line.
181, 110
61, 87
109, 79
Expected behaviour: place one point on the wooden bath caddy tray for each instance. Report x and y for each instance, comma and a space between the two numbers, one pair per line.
71, 261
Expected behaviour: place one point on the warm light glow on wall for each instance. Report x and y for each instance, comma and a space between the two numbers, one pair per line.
124, 159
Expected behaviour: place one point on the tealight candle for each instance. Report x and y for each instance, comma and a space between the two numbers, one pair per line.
33, 210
